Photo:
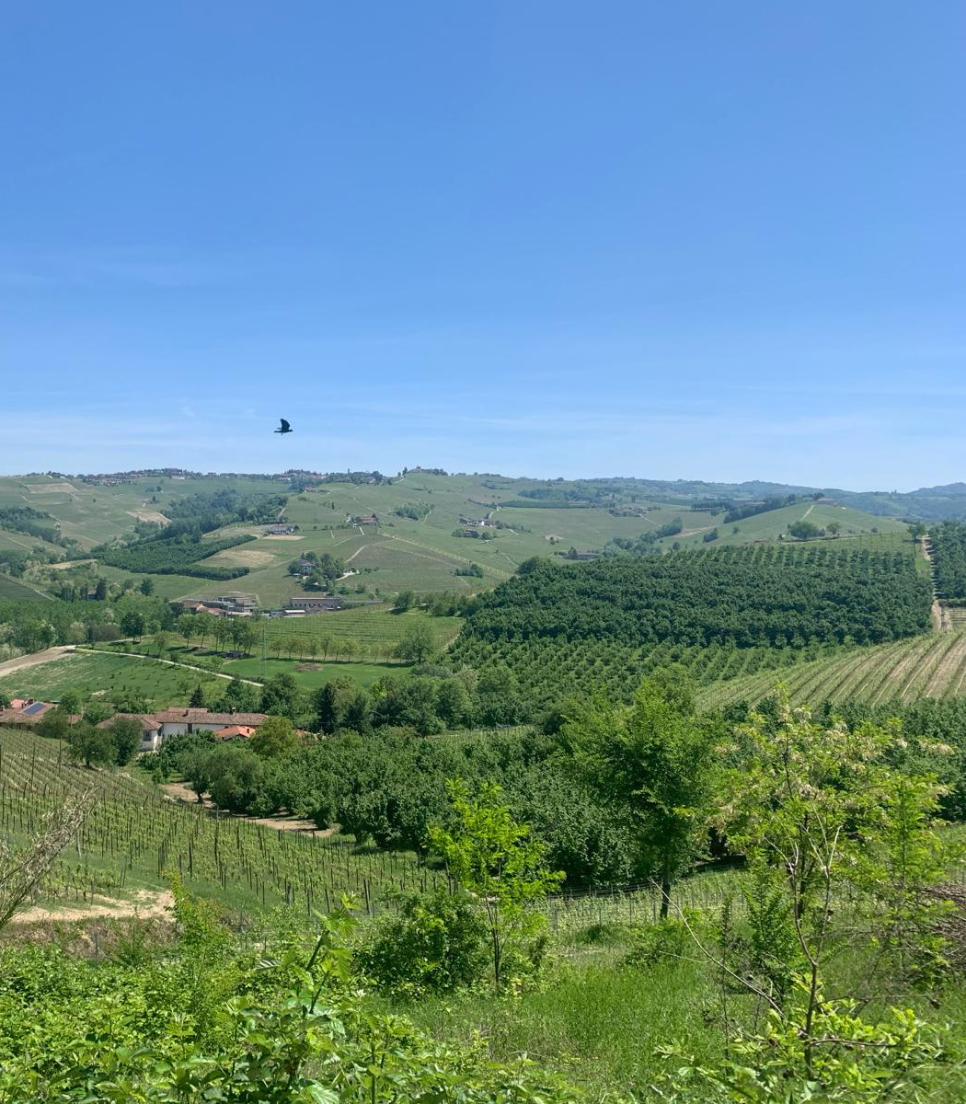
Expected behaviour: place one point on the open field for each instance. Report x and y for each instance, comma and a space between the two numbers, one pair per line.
369, 625
931, 666
310, 676
768, 526
91, 672
400, 552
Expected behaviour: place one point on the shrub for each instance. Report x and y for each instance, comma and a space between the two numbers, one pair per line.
436, 943
669, 938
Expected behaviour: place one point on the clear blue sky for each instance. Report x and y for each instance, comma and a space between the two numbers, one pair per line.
697, 239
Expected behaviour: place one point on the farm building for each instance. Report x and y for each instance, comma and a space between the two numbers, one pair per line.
317, 604
26, 713
281, 530
150, 728
176, 722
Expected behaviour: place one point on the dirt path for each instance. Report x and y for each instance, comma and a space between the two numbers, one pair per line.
146, 903
35, 659
941, 621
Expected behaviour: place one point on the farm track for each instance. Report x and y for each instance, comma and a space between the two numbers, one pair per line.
35, 659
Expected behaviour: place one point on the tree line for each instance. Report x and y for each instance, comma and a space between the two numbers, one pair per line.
948, 541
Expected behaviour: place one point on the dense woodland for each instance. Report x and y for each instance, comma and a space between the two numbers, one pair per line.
768, 595
174, 554
948, 542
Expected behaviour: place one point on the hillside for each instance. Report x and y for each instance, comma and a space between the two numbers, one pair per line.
932, 666
427, 526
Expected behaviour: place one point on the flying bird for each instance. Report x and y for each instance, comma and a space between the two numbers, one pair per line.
284, 427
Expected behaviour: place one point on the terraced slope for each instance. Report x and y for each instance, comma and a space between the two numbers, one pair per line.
931, 666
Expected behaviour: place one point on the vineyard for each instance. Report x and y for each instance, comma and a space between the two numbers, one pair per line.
928, 666
547, 671
17, 591
133, 836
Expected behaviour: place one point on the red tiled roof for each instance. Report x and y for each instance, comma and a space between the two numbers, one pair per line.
232, 732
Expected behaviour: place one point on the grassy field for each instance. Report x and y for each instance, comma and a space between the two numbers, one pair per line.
368, 625
91, 672
310, 676
768, 526
13, 588
423, 555
931, 666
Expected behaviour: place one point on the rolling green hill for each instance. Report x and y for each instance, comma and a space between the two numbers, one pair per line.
419, 541
774, 525
930, 666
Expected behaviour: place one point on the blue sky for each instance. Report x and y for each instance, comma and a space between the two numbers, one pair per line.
668, 240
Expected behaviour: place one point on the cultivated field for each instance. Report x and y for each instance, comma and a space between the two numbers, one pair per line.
931, 666
134, 836
13, 588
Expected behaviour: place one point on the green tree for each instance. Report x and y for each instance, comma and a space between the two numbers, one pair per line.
405, 600
275, 738
197, 699
187, 627
655, 761
198, 768
72, 701
132, 624
281, 695
417, 644
242, 634
147, 586
94, 747
499, 862
54, 724
126, 734
330, 703
820, 811
804, 530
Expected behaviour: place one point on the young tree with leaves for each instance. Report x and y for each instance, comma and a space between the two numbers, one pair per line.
655, 763
498, 861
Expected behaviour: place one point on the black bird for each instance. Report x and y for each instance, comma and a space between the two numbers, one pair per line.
284, 428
